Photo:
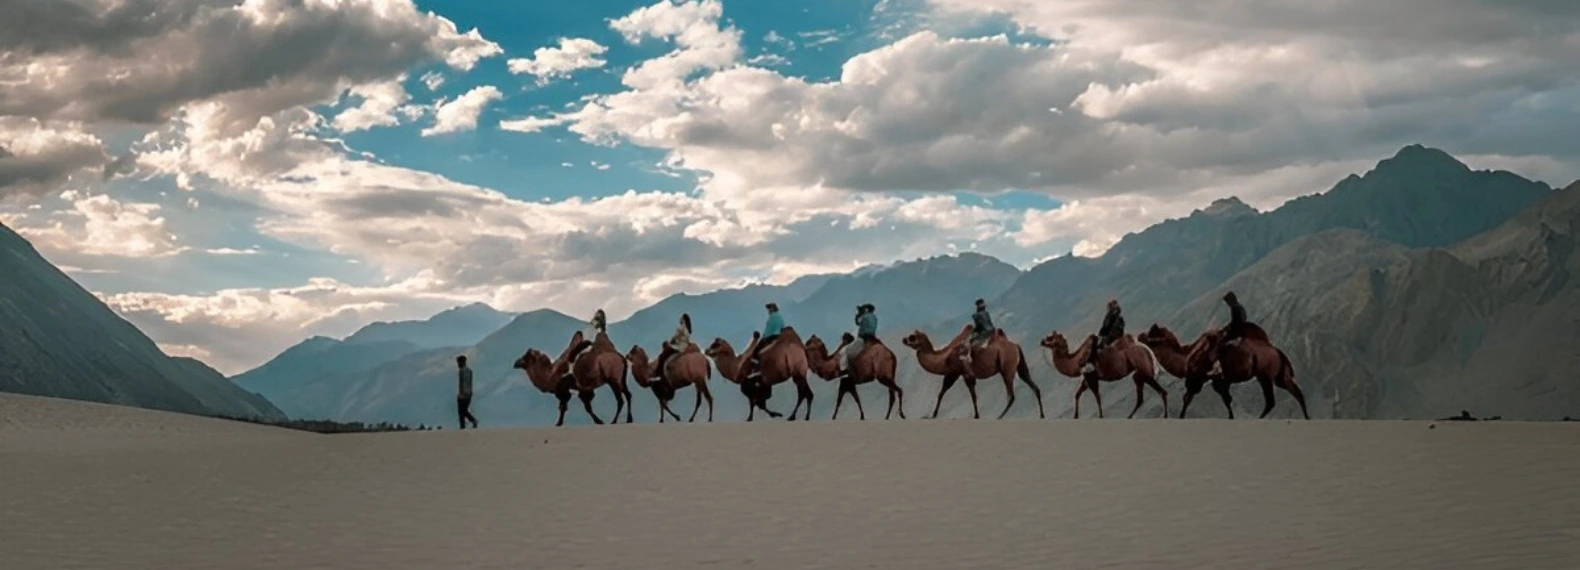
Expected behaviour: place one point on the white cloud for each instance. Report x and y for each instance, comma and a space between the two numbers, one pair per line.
98, 225
36, 158
380, 102
432, 80
693, 26
461, 113
548, 63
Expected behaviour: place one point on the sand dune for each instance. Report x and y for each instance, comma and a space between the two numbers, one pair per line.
88, 486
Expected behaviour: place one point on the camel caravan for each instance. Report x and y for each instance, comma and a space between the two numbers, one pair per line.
1238, 352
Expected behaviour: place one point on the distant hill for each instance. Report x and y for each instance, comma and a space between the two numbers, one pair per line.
1377, 330
293, 379
459, 326
58, 340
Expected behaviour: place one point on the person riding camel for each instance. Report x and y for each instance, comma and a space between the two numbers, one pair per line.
600, 323
866, 333
771, 330
981, 332
676, 344
1112, 330
1237, 319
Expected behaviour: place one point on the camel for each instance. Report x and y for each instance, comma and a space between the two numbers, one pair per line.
1001, 357
687, 368
1173, 356
783, 360
552, 377
1124, 358
729, 365
875, 362
1251, 356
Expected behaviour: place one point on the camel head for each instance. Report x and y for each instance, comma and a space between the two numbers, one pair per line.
1157, 335
640, 365
719, 347
1055, 341
636, 356
532, 358
917, 340
815, 345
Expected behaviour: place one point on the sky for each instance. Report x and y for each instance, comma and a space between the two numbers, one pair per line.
235, 175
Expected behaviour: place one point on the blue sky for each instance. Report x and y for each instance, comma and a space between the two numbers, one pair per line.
281, 171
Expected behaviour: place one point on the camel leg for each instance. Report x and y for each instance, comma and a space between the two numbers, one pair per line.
707, 394
764, 393
1192, 387
619, 401
1097, 394
1300, 397
1035, 391
857, 397
587, 399
1221, 386
1009, 390
1141, 393
564, 396
1153, 382
971, 387
804, 390
669, 410
949, 382
896, 396
630, 402
1267, 395
1079, 389
839, 400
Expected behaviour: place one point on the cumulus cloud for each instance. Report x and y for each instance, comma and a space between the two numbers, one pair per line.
141, 61
380, 103
461, 113
36, 159
98, 225
548, 63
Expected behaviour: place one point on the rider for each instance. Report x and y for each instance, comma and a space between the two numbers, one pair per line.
1113, 328
1237, 319
771, 329
981, 332
599, 322
676, 344
867, 323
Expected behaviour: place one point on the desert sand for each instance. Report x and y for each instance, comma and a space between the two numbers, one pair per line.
94, 486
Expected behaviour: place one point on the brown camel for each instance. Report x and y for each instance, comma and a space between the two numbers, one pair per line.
1248, 357
1001, 357
602, 364
687, 368
875, 363
1173, 356
553, 377
1124, 358
729, 364
783, 360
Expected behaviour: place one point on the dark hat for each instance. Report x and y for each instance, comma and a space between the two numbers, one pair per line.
461, 358
1229, 296
772, 306
981, 302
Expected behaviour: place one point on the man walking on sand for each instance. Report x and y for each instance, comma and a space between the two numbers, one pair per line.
463, 396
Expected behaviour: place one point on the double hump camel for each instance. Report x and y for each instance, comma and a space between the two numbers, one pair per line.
1209, 359
591, 365
1124, 358
875, 363
784, 359
1000, 357
682, 369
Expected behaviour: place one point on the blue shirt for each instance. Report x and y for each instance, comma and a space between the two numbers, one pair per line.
776, 323
867, 324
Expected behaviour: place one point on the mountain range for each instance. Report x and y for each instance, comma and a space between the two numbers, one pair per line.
1413, 290
57, 339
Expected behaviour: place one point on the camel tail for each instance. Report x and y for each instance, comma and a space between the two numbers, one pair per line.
1157, 365
1023, 369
